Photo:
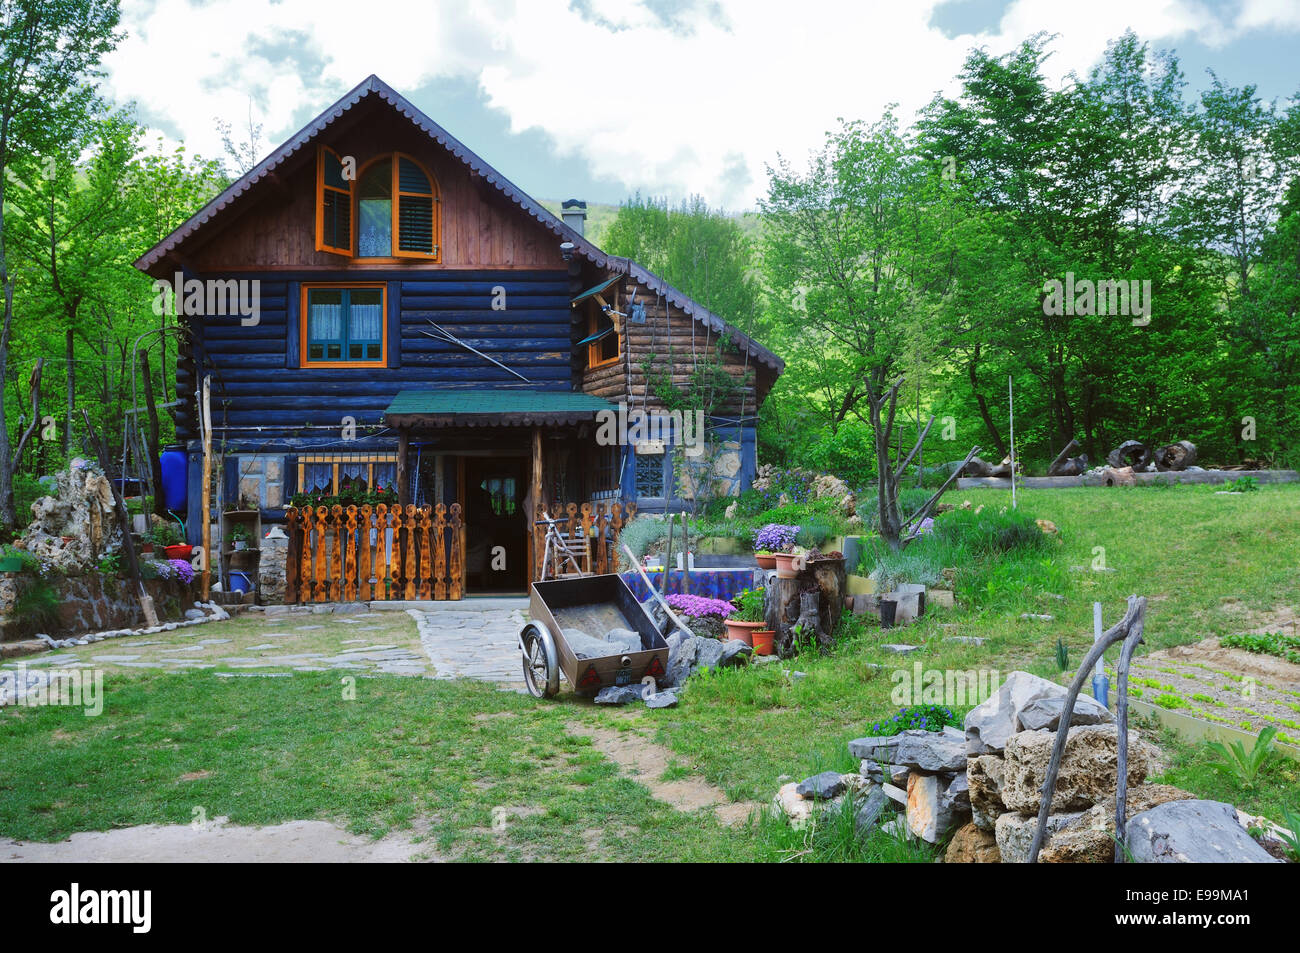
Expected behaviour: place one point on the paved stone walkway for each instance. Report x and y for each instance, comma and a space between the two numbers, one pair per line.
474, 639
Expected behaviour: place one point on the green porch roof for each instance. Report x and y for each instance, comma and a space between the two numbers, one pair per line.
506, 407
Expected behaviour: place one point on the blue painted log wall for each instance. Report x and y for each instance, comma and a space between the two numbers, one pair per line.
256, 380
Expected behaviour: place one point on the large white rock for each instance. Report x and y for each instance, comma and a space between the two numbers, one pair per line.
1088, 772
990, 724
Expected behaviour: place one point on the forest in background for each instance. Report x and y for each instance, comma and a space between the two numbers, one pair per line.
917, 251
925, 252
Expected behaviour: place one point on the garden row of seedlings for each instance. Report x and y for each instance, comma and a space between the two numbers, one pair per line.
980, 790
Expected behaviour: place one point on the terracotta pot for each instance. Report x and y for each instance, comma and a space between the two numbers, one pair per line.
765, 562
742, 631
784, 567
763, 641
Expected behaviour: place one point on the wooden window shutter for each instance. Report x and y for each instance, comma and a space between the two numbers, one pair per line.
415, 211
333, 204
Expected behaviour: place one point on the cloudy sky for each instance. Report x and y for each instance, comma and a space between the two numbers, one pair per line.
596, 99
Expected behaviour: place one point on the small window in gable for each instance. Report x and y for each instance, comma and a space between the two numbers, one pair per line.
397, 210
333, 204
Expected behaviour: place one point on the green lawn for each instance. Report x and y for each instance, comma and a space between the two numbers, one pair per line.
269, 750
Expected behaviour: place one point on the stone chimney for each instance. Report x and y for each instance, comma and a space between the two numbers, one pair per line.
574, 213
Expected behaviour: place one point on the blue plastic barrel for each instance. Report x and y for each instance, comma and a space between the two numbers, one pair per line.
174, 478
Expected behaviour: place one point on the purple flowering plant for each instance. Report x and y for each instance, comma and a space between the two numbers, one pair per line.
697, 607
182, 570
775, 538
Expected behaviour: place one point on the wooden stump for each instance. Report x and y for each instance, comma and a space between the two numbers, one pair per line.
815, 597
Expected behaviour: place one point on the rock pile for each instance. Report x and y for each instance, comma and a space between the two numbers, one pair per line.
981, 789
74, 527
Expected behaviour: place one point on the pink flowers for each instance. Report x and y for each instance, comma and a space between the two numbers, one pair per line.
697, 607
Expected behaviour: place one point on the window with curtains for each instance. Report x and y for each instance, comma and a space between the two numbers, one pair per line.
391, 210
332, 474
344, 325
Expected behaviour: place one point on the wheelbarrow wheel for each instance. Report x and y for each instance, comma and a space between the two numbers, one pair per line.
541, 661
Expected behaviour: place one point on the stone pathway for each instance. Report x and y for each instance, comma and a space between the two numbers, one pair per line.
475, 639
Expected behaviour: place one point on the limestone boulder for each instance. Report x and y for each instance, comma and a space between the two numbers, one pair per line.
972, 845
1015, 833
1193, 832
984, 774
990, 724
934, 809
1088, 773
931, 751
1091, 839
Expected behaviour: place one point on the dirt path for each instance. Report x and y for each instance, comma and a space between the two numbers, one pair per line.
292, 842
646, 763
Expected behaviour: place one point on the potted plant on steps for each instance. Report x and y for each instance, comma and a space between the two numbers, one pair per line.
772, 544
239, 538
748, 617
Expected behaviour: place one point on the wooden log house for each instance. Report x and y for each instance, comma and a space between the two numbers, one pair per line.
422, 325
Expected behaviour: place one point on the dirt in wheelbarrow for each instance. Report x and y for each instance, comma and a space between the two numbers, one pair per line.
646, 763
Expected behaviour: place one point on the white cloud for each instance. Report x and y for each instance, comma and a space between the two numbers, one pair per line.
696, 105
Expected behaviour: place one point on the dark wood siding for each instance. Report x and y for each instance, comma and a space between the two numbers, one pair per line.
256, 382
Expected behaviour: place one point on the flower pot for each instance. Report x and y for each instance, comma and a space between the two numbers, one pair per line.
742, 631
763, 641
888, 607
765, 561
240, 544
178, 551
784, 567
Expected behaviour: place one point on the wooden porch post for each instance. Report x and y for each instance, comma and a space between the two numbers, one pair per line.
532, 501
403, 482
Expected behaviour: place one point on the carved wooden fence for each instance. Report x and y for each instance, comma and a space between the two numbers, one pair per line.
591, 528
362, 553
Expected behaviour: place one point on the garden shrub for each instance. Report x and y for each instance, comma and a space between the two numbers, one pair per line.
639, 534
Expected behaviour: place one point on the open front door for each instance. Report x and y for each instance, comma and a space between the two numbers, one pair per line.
496, 558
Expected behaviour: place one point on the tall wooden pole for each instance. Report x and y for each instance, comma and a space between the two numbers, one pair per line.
1011, 412
403, 478
534, 501
205, 414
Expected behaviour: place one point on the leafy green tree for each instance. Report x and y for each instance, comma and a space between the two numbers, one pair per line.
50, 51
861, 255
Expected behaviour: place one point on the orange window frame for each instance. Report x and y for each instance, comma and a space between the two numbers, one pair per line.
593, 349
321, 189
436, 210
303, 314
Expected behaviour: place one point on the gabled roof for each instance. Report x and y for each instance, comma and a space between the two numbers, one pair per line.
374, 86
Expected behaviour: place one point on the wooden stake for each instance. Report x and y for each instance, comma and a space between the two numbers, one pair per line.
205, 421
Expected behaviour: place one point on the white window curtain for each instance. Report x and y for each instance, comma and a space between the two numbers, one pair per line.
318, 478
353, 469
325, 322
365, 322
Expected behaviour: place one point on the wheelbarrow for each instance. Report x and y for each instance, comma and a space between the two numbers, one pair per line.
592, 604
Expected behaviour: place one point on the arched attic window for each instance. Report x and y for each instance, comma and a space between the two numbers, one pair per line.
392, 208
